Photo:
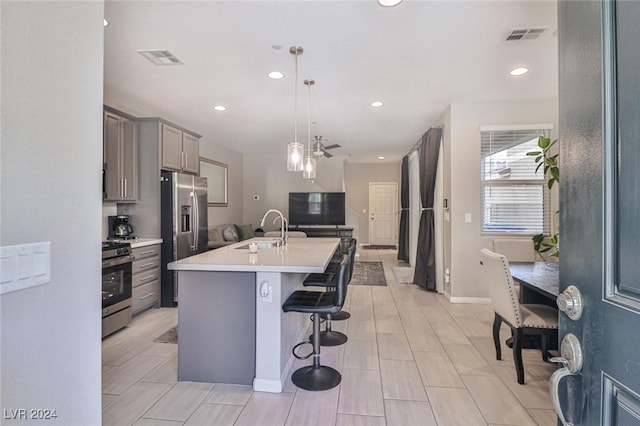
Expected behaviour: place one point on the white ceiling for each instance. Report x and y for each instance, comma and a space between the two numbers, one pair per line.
418, 58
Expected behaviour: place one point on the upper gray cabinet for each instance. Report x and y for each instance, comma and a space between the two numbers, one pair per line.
180, 150
120, 157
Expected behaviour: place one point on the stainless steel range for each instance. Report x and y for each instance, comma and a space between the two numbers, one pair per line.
116, 286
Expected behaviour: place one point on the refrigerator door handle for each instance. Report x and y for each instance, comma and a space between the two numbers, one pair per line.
196, 216
192, 235
192, 219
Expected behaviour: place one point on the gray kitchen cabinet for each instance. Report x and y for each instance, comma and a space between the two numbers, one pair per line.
190, 147
179, 150
120, 157
145, 277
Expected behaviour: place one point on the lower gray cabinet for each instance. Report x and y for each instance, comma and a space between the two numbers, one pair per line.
146, 277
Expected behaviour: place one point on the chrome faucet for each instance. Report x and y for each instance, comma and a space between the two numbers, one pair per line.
284, 225
283, 228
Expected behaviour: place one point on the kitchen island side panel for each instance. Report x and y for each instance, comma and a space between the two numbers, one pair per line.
277, 332
216, 327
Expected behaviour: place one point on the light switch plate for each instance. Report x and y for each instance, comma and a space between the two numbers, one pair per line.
467, 218
23, 266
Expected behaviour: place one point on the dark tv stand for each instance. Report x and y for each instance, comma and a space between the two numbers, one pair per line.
345, 234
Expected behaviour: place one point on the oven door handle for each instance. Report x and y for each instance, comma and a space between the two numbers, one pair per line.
116, 261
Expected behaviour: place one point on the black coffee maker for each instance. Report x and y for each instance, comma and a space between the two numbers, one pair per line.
120, 228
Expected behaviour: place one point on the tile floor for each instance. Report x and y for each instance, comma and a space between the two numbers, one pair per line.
411, 359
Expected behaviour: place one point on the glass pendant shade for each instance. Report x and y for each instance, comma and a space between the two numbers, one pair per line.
309, 170
295, 156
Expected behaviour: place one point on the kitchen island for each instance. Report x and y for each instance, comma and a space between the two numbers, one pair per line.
231, 328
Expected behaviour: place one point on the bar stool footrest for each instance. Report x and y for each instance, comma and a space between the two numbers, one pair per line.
293, 351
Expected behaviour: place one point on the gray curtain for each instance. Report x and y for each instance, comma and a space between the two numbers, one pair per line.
425, 274
403, 239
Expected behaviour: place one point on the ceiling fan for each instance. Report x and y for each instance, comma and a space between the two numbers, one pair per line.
319, 149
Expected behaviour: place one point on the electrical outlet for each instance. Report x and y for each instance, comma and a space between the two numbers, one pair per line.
266, 292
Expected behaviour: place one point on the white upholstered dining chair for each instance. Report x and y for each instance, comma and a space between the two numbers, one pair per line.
523, 319
291, 234
515, 249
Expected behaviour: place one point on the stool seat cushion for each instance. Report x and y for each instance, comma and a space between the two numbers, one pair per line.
320, 280
311, 302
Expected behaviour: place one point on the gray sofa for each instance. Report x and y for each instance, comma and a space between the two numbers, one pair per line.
228, 233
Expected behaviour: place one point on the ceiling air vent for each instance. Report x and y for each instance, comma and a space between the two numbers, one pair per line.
160, 57
525, 34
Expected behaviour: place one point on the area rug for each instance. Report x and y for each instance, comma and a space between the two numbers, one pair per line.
403, 274
368, 273
169, 336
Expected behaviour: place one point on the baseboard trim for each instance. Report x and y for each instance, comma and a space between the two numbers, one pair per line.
265, 385
476, 300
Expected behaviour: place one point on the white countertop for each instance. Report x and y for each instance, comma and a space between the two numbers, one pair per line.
300, 255
141, 242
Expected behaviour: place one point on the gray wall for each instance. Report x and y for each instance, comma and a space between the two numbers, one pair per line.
462, 150
356, 178
235, 188
266, 176
51, 156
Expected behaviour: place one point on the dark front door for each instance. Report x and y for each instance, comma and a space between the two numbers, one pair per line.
599, 45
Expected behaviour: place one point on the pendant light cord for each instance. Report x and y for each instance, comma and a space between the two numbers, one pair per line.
309, 119
295, 102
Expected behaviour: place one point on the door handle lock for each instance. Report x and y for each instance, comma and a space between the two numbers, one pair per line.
572, 359
570, 302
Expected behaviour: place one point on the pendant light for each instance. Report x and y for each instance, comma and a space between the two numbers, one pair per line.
295, 150
309, 169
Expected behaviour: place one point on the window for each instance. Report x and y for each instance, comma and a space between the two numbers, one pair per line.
514, 197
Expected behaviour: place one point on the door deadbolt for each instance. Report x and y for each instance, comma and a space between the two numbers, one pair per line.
570, 302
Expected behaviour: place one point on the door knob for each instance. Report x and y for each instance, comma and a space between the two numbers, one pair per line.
570, 302
571, 358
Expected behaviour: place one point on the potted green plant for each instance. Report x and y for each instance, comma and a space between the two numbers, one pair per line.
545, 158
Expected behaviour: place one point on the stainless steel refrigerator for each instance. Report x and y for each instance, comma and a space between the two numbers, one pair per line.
183, 224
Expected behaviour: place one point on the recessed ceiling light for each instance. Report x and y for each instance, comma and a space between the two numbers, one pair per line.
381, 158
220, 108
276, 75
106, 23
519, 71
389, 3
377, 104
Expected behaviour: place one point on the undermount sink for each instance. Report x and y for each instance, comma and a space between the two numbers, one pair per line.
262, 245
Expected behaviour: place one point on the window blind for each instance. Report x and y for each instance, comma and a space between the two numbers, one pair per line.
514, 197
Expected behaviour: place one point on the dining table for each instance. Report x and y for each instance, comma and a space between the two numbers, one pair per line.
539, 281
539, 284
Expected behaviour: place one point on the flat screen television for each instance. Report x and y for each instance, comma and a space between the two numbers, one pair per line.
316, 208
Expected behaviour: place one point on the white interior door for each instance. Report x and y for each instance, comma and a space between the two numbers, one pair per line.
383, 213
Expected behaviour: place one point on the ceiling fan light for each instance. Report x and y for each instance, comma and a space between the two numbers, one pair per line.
317, 148
295, 155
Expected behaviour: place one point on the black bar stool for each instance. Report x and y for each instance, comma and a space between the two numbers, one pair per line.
327, 279
318, 377
329, 337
